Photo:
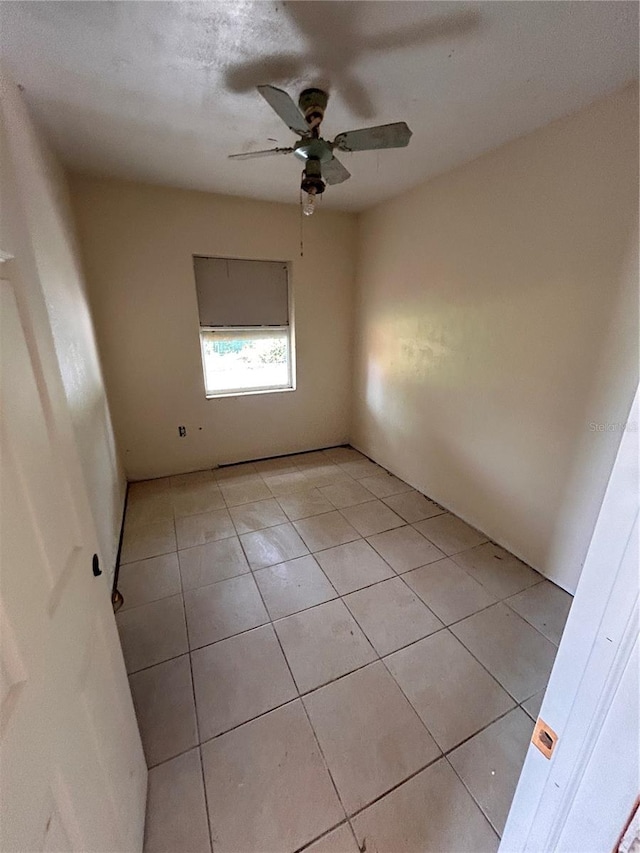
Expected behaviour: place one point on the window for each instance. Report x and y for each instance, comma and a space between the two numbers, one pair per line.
245, 330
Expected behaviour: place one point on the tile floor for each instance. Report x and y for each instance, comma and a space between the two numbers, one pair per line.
322, 658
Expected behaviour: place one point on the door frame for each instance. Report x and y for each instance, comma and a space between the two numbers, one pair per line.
596, 648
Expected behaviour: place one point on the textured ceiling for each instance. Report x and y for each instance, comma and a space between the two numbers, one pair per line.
162, 92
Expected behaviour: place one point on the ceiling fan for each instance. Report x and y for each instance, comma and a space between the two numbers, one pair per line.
317, 153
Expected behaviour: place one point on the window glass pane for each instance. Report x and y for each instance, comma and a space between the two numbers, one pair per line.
245, 360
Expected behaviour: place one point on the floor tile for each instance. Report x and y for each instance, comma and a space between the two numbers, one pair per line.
391, 615
152, 632
223, 609
238, 679
340, 455
322, 644
496, 569
490, 764
176, 820
149, 580
384, 485
257, 516
243, 470
370, 736
313, 457
244, 491
448, 590
532, 706
339, 840
145, 508
279, 465
353, 566
372, 517
413, 506
453, 694
147, 540
292, 586
202, 528
326, 475
163, 699
325, 531
273, 545
347, 493
361, 468
303, 504
215, 561
159, 486
450, 533
405, 549
513, 652
431, 813
269, 772
545, 606
286, 484
192, 478
195, 498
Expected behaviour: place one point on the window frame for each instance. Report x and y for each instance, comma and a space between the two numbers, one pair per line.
260, 389
272, 389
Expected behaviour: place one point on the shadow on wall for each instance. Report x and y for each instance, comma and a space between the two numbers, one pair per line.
334, 45
50, 256
603, 422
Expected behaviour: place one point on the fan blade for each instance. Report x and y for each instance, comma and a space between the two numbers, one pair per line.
334, 172
282, 103
268, 153
384, 136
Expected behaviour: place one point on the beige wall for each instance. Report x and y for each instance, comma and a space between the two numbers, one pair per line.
37, 230
138, 242
496, 319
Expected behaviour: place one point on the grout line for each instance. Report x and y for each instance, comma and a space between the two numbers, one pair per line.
456, 746
324, 834
197, 722
306, 713
171, 758
381, 660
395, 787
474, 798
193, 693
326, 763
206, 797
159, 663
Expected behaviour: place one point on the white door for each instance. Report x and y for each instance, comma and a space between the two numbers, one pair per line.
72, 772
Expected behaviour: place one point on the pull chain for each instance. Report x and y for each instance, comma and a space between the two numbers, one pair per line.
301, 228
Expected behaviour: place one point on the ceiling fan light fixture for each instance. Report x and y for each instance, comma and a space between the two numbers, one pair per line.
309, 204
312, 184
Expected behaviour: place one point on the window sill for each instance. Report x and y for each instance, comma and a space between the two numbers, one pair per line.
224, 394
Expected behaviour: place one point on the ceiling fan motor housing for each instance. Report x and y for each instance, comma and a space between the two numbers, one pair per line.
313, 103
312, 181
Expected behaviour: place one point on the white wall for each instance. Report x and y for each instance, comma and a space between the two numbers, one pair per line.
581, 799
37, 230
484, 339
138, 242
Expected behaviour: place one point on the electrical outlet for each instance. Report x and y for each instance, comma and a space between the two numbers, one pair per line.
182, 431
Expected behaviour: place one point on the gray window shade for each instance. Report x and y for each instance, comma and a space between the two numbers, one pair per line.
241, 293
